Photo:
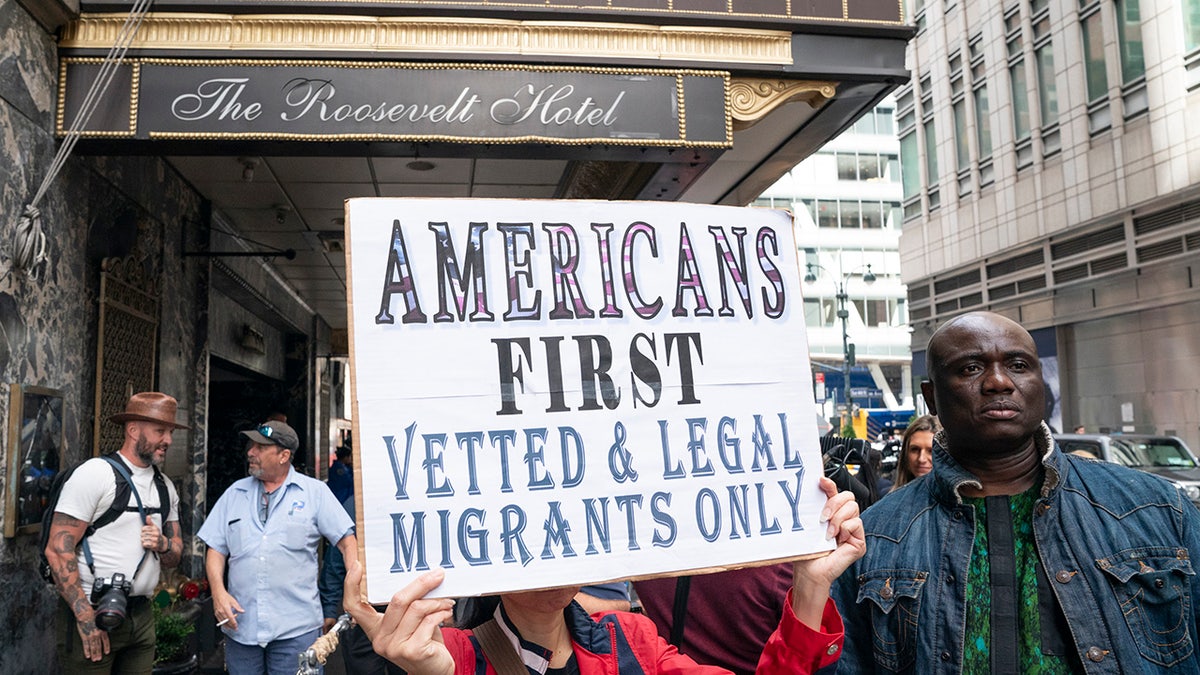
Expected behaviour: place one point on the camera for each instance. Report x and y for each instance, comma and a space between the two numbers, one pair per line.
110, 597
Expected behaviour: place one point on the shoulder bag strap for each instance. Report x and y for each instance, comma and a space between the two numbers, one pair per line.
498, 650
679, 609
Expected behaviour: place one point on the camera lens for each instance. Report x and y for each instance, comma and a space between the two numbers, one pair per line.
111, 609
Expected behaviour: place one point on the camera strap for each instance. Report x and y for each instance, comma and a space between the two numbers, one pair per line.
122, 471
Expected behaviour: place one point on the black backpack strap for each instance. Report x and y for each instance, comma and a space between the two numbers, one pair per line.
164, 497
119, 467
679, 610
116, 509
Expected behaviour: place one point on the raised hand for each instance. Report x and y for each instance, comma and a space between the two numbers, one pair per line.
812, 578
409, 633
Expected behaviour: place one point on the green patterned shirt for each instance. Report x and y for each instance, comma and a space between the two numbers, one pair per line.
977, 652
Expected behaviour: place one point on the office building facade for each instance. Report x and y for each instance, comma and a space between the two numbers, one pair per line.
1051, 157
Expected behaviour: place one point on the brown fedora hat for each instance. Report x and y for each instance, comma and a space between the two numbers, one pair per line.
150, 406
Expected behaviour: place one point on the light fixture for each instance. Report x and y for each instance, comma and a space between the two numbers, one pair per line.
418, 164
869, 276
249, 164
810, 277
253, 340
332, 241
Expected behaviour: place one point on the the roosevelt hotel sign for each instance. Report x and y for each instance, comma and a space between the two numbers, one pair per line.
162, 99
550, 393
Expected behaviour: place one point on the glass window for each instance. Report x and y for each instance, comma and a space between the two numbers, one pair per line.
1012, 21
893, 169
931, 163
1015, 47
1191, 25
812, 312
1047, 91
874, 312
865, 124
851, 213
869, 167
1129, 30
1093, 56
883, 121
873, 214
962, 152
847, 166
810, 207
917, 10
909, 165
975, 46
1020, 101
895, 215
983, 127
877, 312
827, 213
1038, 6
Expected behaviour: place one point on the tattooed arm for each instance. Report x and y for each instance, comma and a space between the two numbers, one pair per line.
65, 535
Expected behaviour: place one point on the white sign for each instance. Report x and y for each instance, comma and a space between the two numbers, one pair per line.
553, 393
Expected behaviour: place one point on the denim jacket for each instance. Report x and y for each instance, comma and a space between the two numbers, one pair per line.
1115, 545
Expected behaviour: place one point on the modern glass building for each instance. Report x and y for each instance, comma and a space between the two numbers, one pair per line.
847, 201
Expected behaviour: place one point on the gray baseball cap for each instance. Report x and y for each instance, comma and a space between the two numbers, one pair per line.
274, 433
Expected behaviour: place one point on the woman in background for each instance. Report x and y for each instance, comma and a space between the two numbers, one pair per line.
916, 451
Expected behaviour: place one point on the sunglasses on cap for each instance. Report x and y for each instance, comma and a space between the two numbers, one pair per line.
267, 431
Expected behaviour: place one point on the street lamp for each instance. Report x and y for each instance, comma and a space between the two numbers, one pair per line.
843, 314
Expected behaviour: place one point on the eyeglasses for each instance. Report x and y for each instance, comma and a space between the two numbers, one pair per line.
266, 431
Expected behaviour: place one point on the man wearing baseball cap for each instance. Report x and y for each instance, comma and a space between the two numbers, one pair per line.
268, 526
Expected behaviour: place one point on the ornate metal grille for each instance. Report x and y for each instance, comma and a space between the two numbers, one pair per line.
126, 347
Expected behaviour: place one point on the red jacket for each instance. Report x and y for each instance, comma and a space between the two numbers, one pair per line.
621, 643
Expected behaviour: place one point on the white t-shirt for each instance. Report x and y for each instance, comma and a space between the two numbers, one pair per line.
116, 547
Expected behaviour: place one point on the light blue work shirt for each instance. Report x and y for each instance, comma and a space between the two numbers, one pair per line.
273, 567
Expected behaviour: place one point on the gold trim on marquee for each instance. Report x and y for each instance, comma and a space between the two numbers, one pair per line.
751, 99
397, 35
136, 92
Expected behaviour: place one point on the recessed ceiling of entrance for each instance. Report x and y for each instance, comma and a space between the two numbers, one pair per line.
295, 203
280, 202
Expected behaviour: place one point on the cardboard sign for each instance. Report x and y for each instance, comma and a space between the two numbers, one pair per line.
554, 393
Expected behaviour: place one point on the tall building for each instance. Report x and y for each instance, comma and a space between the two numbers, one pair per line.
1051, 154
847, 201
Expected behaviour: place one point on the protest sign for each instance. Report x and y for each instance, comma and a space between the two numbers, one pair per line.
551, 393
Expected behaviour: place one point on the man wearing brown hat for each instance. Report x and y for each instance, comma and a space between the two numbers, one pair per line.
267, 526
132, 540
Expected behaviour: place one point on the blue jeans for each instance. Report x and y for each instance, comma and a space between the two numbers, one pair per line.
279, 657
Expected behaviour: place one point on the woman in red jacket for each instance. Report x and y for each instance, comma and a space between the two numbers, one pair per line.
545, 633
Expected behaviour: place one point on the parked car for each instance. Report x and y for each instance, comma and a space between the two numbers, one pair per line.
1165, 456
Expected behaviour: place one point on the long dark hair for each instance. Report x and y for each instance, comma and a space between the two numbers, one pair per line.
923, 423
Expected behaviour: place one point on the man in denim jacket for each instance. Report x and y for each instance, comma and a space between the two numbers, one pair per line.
1010, 556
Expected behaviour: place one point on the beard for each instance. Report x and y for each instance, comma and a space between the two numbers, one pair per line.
147, 452
255, 470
